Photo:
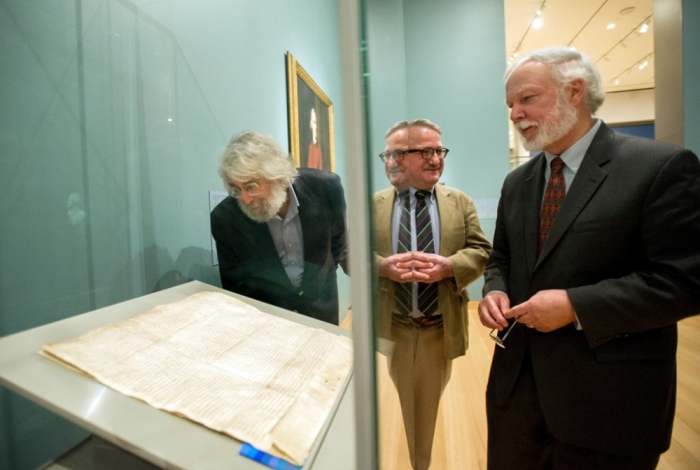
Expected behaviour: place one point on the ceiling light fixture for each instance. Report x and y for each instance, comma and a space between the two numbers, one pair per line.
537, 23
644, 28
611, 26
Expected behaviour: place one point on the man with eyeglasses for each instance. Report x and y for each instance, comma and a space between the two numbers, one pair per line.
281, 234
429, 247
595, 260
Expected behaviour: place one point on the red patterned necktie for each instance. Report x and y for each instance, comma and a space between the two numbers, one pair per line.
553, 198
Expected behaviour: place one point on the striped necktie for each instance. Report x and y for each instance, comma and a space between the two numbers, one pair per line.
427, 293
403, 290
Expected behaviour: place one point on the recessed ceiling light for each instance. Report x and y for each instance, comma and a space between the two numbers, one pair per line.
611, 26
537, 23
617, 82
644, 28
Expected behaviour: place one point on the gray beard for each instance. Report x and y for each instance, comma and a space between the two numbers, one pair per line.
262, 210
559, 122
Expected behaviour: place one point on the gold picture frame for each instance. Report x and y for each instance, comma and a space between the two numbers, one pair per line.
306, 103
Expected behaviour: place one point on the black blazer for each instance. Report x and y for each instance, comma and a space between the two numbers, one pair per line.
248, 261
626, 247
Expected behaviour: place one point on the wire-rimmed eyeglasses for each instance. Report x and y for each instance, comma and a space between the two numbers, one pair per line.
500, 341
427, 153
252, 188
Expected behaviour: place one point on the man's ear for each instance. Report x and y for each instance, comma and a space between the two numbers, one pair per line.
576, 91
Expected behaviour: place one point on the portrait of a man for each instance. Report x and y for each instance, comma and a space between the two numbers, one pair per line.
311, 120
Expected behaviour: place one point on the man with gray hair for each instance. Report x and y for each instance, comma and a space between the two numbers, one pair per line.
280, 234
595, 260
429, 246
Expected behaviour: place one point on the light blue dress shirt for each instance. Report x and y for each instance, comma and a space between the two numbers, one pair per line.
572, 157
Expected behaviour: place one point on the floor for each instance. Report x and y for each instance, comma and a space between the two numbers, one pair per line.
460, 440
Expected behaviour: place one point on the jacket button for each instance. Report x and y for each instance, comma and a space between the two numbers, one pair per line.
301, 292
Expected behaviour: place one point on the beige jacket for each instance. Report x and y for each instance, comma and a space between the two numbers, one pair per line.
461, 240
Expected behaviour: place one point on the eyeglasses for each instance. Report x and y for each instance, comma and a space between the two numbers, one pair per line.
427, 153
499, 341
253, 189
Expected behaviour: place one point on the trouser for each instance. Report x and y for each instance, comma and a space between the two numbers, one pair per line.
518, 437
420, 373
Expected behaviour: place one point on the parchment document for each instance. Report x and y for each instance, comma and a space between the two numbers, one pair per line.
222, 363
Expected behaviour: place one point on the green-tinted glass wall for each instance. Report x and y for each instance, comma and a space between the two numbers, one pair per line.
112, 116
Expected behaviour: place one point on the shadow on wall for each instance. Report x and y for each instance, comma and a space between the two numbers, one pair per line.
196, 262
154, 270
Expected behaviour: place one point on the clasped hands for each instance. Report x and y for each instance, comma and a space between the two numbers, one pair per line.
546, 311
416, 266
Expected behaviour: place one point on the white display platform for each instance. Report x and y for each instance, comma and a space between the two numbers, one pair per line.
159, 437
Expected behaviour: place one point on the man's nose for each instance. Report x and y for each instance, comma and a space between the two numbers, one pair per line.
246, 198
516, 113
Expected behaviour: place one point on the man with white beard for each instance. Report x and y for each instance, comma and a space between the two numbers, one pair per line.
280, 234
595, 260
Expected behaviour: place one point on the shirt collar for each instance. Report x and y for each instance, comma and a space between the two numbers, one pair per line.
412, 191
293, 208
573, 156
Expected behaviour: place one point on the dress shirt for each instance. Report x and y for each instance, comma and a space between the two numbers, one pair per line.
572, 157
289, 239
435, 225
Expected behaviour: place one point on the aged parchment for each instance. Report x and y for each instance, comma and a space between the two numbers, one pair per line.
222, 363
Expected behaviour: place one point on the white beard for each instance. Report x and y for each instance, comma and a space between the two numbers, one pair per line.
262, 210
553, 127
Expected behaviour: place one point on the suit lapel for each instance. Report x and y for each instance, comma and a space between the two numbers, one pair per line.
311, 228
384, 205
588, 179
532, 190
446, 205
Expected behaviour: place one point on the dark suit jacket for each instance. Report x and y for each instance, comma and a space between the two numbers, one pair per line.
625, 246
248, 261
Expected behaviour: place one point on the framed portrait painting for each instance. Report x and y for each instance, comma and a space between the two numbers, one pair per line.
310, 120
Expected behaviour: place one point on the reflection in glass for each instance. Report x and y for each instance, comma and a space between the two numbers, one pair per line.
429, 246
465, 98
280, 235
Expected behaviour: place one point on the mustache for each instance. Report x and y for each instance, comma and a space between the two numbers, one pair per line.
524, 124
